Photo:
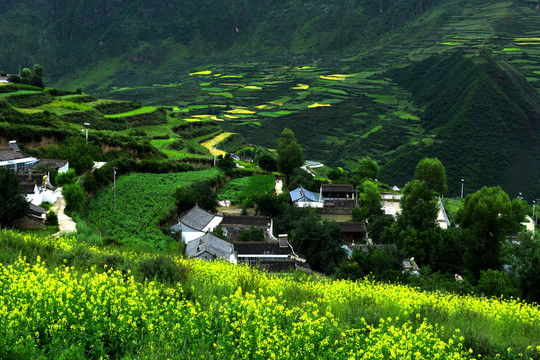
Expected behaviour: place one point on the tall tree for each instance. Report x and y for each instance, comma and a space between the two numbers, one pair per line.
321, 243
485, 218
13, 204
416, 231
432, 171
290, 155
368, 168
369, 200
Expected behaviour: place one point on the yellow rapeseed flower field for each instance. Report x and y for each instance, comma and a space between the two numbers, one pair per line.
235, 312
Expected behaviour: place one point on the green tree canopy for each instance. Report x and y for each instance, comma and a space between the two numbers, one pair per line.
369, 200
321, 243
368, 168
485, 218
290, 155
432, 171
419, 207
12, 203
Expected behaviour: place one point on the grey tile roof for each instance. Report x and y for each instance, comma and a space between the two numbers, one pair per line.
337, 188
352, 226
211, 244
197, 218
50, 163
260, 248
9, 154
245, 221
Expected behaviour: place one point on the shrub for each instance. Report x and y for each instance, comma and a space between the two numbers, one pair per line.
52, 218
163, 269
69, 177
74, 195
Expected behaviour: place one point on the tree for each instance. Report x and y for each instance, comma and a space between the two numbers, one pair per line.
432, 171
272, 205
368, 168
26, 73
415, 231
74, 195
523, 256
13, 204
369, 200
38, 70
268, 163
199, 193
321, 243
290, 155
419, 208
226, 163
253, 234
485, 218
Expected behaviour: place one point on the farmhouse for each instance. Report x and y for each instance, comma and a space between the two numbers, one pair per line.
210, 247
305, 198
273, 256
196, 223
233, 225
353, 232
337, 191
14, 159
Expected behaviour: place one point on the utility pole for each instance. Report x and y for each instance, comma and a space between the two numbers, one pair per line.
86, 125
114, 186
462, 181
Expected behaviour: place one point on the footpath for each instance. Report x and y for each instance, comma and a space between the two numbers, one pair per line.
65, 223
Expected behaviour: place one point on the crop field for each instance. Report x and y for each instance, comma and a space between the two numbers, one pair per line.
323, 107
209, 144
219, 310
143, 203
242, 189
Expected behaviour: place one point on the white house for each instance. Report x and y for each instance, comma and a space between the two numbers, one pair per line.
210, 247
14, 159
305, 198
195, 223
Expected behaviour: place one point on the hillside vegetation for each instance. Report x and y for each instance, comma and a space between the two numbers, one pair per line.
338, 74
62, 299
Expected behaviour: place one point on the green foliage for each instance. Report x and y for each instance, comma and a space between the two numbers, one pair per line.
320, 241
381, 263
433, 173
495, 283
368, 168
232, 143
74, 196
198, 193
143, 203
485, 218
246, 188
52, 218
271, 204
74, 149
14, 205
252, 234
163, 269
523, 257
225, 163
69, 177
290, 155
369, 200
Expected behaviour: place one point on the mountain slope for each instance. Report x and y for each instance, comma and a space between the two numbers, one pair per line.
486, 120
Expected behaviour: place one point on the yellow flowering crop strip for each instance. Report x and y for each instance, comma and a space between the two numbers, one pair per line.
103, 313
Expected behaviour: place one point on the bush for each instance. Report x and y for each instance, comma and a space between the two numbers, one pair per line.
74, 195
69, 177
52, 218
161, 268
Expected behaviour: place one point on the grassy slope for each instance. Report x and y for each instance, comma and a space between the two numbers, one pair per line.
217, 310
144, 202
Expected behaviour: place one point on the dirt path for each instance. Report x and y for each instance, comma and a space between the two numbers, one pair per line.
65, 223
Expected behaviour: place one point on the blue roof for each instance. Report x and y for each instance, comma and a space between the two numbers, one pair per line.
305, 195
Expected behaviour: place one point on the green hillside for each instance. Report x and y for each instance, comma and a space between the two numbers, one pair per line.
327, 70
